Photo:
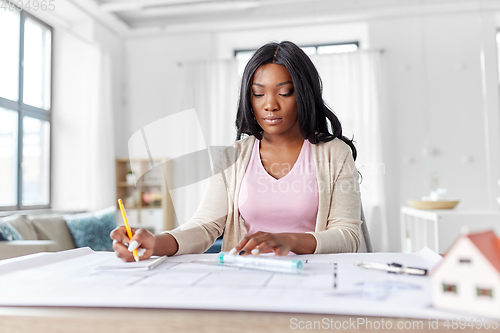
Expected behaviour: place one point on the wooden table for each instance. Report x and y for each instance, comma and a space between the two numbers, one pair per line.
105, 320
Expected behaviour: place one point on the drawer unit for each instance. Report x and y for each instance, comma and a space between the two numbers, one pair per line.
152, 219
132, 217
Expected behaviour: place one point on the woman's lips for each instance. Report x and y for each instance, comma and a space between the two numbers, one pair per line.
272, 120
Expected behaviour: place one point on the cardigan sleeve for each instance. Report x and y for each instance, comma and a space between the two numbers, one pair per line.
201, 231
342, 232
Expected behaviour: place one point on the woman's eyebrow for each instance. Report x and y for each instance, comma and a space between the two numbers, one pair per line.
278, 85
283, 83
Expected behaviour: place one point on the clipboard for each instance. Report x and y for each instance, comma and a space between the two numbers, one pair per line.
144, 265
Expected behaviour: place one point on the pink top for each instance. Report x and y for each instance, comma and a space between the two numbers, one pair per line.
288, 204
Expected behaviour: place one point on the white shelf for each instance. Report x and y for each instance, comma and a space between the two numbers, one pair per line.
140, 214
438, 229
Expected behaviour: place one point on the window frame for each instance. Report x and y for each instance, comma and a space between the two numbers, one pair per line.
484, 292
315, 46
24, 110
449, 288
308, 45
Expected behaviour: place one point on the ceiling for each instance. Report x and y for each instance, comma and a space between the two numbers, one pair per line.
130, 16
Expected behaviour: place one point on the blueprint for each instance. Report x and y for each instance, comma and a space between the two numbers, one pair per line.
329, 284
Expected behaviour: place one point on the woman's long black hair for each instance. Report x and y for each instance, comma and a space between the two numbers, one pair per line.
312, 110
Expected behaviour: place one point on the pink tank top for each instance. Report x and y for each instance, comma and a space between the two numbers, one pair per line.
288, 204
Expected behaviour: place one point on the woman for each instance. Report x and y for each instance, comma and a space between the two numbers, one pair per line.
294, 186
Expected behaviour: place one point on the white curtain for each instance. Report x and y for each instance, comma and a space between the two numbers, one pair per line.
83, 154
101, 171
351, 87
211, 87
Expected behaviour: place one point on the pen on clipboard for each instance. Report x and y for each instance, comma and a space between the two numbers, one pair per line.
393, 268
127, 226
157, 262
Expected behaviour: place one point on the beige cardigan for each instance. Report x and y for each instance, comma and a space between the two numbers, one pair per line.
339, 211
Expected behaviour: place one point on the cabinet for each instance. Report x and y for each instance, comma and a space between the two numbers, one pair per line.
438, 229
145, 195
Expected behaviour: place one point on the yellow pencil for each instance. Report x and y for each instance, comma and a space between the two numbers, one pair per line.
129, 231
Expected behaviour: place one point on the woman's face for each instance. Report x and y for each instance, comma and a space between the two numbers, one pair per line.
273, 100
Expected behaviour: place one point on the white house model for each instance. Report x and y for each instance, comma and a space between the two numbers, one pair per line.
468, 279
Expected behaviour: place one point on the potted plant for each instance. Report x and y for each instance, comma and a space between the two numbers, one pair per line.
130, 177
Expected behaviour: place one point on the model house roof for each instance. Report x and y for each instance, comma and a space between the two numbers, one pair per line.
486, 242
489, 245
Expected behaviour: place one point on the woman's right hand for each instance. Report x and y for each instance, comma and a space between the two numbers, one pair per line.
142, 240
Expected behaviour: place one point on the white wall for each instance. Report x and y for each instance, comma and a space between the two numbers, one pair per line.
437, 117
153, 80
438, 99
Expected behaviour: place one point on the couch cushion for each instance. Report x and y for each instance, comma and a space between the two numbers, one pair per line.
93, 229
53, 228
24, 247
23, 225
9, 232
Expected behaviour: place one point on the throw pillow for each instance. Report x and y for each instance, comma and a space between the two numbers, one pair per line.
93, 229
23, 225
9, 232
53, 228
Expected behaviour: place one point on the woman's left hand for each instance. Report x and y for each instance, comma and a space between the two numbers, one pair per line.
265, 242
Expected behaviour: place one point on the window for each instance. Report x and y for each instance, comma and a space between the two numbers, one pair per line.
25, 110
484, 292
498, 52
244, 55
449, 288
